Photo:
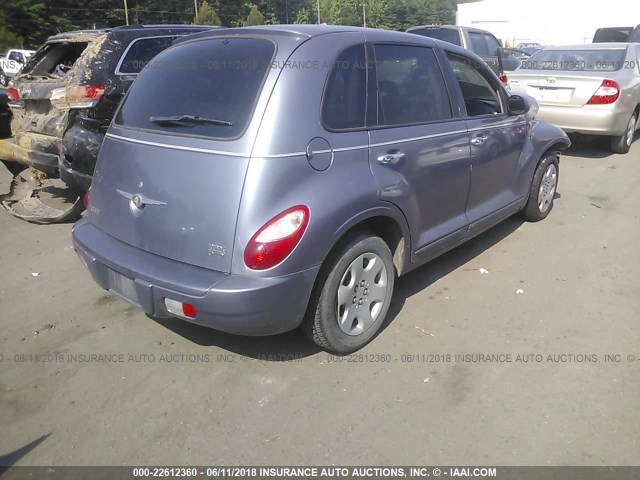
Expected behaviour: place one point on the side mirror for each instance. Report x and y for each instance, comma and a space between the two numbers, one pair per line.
518, 105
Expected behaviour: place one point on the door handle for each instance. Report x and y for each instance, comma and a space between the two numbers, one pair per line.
479, 140
389, 158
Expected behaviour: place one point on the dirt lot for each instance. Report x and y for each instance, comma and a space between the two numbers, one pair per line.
173, 393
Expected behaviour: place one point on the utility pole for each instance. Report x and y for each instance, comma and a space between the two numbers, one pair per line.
195, 4
318, 12
364, 15
126, 13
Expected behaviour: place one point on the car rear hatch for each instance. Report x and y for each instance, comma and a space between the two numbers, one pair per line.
171, 170
567, 78
50, 70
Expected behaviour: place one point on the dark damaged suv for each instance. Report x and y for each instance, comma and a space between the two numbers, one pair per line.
65, 97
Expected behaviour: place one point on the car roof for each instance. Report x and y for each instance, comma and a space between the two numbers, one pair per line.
456, 27
591, 46
129, 28
307, 31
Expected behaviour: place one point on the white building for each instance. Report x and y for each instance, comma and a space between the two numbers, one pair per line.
549, 22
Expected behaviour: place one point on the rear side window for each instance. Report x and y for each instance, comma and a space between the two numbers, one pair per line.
141, 51
450, 35
479, 44
411, 88
55, 59
205, 88
345, 98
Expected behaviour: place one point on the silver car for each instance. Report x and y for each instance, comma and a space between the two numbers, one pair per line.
592, 89
290, 173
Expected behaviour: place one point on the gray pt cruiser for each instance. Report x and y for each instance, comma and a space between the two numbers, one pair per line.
255, 180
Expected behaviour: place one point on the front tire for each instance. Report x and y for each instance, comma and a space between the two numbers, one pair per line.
622, 143
543, 189
352, 296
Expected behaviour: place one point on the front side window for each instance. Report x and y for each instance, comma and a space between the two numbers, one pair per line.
411, 87
480, 96
16, 57
492, 44
345, 99
141, 51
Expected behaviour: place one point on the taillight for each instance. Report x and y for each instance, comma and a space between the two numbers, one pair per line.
608, 93
504, 80
13, 94
87, 198
76, 96
276, 239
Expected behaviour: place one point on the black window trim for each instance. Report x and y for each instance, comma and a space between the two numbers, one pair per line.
483, 70
135, 40
434, 49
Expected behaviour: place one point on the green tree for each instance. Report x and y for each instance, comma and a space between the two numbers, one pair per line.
254, 17
207, 15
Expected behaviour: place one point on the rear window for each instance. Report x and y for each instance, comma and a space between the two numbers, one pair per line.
576, 60
450, 35
141, 51
205, 88
612, 34
55, 59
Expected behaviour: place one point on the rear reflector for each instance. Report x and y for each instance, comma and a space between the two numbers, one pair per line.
180, 309
77, 96
87, 198
276, 239
608, 93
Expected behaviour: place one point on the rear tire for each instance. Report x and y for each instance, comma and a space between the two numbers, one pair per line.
622, 143
352, 296
543, 189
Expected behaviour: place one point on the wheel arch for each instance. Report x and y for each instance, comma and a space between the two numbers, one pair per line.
386, 222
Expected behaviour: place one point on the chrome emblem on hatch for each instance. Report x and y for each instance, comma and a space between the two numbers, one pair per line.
551, 79
138, 202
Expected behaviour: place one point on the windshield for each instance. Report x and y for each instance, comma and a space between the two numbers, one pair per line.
204, 88
576, 60
450, 35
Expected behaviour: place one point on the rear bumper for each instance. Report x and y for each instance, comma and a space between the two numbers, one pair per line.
230, 303
34, 150
80, 148
589, 119
73, 178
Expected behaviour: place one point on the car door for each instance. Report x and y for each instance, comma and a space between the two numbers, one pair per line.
419, 152
496, 139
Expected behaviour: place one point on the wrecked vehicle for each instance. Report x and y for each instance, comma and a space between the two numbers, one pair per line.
62, 103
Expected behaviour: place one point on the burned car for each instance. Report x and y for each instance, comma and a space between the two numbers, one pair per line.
65, 96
